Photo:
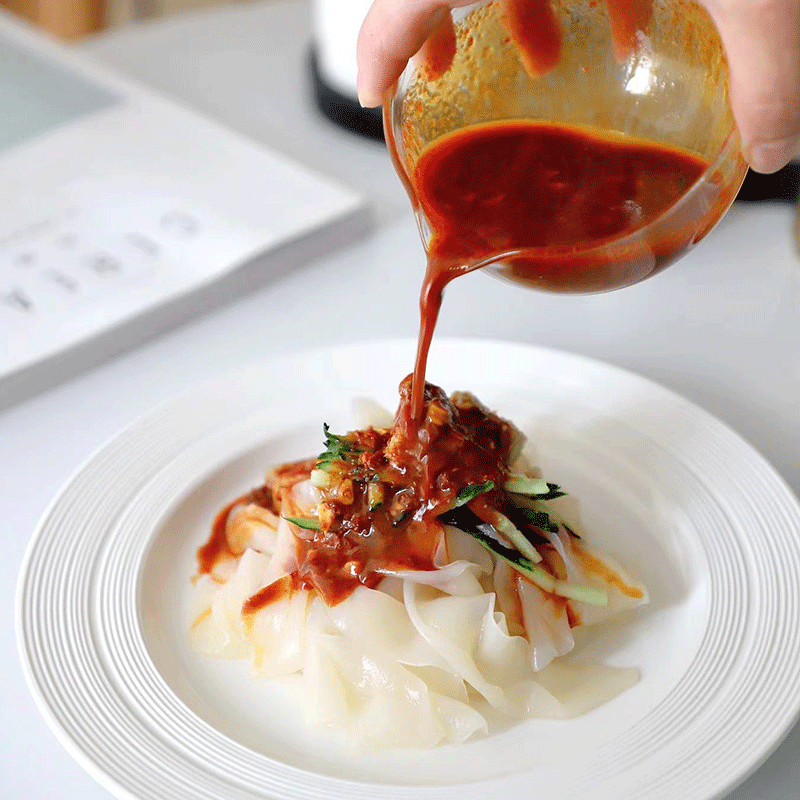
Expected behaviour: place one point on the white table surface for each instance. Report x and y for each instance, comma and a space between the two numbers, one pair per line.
722, 327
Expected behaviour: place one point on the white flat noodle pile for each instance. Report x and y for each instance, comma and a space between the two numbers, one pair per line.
402, 665
368, 413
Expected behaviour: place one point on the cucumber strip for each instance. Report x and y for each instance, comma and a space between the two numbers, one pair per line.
307, 523
537, 513
539, 519
375, 495
570, 531
522, 484
471, 492
544, 580
320, 478
583, 594
554, 492
508, 529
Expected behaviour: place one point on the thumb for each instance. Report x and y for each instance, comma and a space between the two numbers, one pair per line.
762, 41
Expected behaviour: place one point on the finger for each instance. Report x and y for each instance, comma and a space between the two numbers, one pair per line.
628, 17
439, 50
762, 40
392, 32
534, 28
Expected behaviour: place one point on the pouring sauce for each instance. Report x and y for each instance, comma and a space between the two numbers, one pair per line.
545, 196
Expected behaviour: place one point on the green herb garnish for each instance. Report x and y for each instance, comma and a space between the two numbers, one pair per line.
336, 448
533, 487
524, 484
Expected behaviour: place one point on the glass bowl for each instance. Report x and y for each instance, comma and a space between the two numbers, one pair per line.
671, 88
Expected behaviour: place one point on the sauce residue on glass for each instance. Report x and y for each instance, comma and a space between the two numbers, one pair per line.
629, 20
535, 31
534, 28
546, 197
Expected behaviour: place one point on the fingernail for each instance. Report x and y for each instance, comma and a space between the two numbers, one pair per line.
368, 99
771, 156
366, 96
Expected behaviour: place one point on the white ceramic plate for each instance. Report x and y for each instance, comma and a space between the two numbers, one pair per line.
673, 494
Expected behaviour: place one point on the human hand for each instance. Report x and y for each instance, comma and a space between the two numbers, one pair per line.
761, 38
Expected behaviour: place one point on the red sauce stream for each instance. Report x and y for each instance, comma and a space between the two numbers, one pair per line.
542, 196
548, 195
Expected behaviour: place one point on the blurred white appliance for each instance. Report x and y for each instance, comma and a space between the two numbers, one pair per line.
336, 24
336, 27
123, 214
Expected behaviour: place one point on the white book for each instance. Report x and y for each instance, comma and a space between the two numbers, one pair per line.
123, 214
